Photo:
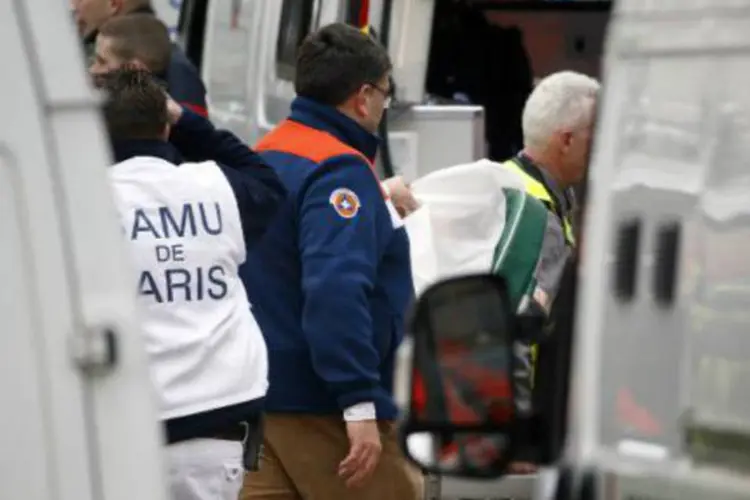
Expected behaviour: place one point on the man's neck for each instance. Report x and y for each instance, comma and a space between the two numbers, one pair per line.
543, 161
350, 114
133, 6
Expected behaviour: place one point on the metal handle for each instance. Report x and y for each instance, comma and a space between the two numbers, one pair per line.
665, 270
95, 350
626, 270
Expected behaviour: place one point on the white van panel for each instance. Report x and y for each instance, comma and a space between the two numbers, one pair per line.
43, 423
250, 83
72, 435
671, 148
679, 7
24, 424
720, 300
409, 47
276, 89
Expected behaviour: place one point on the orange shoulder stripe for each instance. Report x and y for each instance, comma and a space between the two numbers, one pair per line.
300, 140
307, 142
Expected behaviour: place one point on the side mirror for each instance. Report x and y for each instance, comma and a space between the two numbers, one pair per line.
463, 403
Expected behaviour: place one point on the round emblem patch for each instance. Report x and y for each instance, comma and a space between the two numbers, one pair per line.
345, 202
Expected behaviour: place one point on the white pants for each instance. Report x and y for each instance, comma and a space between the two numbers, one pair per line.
205, 469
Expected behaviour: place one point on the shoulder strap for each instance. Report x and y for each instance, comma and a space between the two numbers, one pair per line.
517, 253
532, 186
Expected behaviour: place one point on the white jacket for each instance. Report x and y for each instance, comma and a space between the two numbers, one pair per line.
183, 225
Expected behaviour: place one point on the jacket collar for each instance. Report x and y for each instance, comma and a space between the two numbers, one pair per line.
124, 150
328, 119
563, 197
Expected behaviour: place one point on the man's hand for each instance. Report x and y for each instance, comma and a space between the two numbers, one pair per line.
401, 195
364, 452
174, 111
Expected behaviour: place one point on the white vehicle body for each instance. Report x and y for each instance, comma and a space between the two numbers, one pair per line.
79, 419
670, 159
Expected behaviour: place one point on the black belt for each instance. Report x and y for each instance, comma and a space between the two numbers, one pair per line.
234, 432
250, 434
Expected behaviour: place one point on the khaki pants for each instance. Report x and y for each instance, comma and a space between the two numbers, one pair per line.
301, 458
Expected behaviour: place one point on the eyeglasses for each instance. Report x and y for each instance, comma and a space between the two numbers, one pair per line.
387, 94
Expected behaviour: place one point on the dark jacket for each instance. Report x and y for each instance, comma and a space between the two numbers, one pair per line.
331, 281
183, 81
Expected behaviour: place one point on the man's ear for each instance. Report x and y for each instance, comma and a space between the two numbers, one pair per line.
116, 6
359, 102
566, 138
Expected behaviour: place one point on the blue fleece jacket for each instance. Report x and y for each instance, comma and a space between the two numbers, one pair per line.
331, 280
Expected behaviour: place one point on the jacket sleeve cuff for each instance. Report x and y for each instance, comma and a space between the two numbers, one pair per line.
350, 398
360, 411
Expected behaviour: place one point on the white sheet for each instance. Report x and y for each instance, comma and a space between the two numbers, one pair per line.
460, 221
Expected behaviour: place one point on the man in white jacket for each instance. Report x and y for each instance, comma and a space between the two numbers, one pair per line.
188, 225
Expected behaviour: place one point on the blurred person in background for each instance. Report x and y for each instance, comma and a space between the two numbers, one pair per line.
139, 41
183, 80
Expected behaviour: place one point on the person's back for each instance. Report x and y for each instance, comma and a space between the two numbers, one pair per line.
187, 226
206, 348
275, 269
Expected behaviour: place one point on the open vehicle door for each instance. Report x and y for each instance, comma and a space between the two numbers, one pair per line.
79, 421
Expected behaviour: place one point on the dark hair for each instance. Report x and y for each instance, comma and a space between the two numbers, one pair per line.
135, 105
335, 61
140, 36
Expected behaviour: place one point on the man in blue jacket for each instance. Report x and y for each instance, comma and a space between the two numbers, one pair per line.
330, 285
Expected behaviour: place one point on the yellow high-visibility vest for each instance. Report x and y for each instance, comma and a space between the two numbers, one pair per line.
540, 192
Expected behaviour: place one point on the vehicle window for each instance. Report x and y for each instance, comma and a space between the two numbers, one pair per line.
296, 18
226, 60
